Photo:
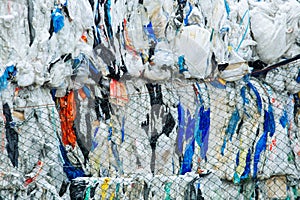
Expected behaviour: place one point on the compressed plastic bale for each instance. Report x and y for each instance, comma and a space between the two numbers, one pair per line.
273, 20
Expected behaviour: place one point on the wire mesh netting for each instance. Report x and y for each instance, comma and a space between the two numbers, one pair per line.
182, 139
139, 99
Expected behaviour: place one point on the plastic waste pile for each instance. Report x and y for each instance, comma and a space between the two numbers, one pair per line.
139, 99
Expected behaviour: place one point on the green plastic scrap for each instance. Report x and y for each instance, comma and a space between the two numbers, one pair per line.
168, 190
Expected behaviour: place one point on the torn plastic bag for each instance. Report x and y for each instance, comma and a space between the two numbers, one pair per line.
194, 43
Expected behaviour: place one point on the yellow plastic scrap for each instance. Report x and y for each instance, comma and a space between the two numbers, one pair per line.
104, 187
112, 196
242, 164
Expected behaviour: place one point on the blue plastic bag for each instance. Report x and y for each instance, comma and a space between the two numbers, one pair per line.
57, 20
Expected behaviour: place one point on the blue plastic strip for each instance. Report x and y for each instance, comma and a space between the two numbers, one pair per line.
86, 91
258, 98
204, 126
150, 32
94, 141
227, 8
188, 158
247, 170
123, 129
272, 125
260, 147
284, 119
198, 131
181, 64
246, 30
190, 126
186, 19
181, 127
230, 130
233, 122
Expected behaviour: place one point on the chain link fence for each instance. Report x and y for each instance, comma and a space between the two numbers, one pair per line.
181, 139
151, 100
